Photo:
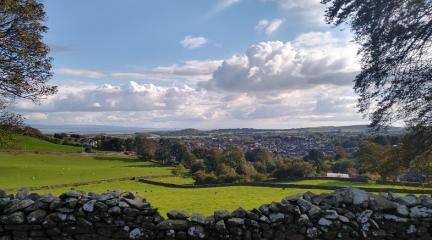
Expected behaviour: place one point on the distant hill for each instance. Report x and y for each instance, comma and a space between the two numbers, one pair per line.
355, 129
28, 143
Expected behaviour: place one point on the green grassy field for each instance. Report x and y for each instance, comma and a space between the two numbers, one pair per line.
202, 200
347, 184
28, 143
18, 170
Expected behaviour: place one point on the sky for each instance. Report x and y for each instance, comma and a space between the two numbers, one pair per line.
197, 64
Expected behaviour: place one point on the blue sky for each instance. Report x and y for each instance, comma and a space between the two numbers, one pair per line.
197, 63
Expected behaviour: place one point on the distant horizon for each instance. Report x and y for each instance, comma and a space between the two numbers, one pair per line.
48, 129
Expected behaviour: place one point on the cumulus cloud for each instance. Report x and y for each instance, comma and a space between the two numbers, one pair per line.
267, 26
192, 42
282, 66
79, 73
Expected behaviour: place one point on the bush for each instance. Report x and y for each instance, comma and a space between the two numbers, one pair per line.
294, 168
180, 170
201, 177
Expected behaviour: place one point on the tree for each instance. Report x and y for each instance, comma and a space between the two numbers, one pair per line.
9, 123
24, 62
258, 155
143, 148
316, 157
340, 153
395, 39
423, 165
343, 166
25, 66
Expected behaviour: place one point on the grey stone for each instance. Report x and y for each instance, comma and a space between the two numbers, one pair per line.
136, 233
198, 218
176, 214
220, 226
402, 210
36, 216
173, 224
222, 214
325, 222
276, 217
420, 212
16, 205
89, 206
22, 193
197, 232
312, 232
409, 200
394, 218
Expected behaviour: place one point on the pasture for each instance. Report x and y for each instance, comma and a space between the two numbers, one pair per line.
27, 143
202, 200
28, 170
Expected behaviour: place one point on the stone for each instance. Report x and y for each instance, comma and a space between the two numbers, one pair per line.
176, 214
220, 226
394, 218
115, 210
409, 200
16, 205
343, 219
136, 233
351, 196
22, 193
411, 229
312, 232
89, 206
222, 214
72, 194
36, 216
420, 212
137, 202
276, 217
325, 222
303, 219
314, 211
173, 224
14, 218
380, 203
197, 232
364, 216
402, 210
198, 218
235, 222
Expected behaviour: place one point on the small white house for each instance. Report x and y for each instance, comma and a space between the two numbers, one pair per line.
338, 175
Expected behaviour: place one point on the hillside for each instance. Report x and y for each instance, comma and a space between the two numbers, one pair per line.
28, 143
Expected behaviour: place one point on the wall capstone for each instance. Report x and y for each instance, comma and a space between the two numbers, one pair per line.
344, 214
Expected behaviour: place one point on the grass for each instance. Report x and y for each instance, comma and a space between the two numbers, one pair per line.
19, 170
202, 200
174, 180
347, 184
28, 143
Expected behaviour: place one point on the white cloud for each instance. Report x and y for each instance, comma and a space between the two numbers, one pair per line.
79, 73
269, 26
223, 4
192, 42
309, 10
285, 66
189, 71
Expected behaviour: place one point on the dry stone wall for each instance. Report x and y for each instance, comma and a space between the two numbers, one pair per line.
344, 214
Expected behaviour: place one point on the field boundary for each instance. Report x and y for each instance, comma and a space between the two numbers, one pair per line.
77, 184
280, 185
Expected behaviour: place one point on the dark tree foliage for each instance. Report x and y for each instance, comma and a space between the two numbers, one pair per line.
25, 66
395, 38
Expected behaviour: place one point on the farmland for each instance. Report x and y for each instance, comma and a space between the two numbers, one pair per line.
59, 164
